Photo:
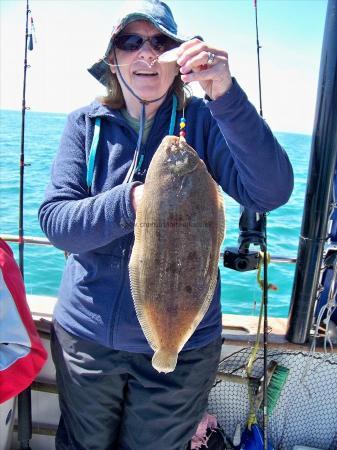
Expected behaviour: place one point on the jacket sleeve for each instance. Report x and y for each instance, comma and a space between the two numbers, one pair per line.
244, 156
70, 218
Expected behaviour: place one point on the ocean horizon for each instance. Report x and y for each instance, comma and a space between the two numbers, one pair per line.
44, 264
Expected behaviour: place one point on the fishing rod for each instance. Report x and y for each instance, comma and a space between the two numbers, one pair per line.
28, 46
265, 265
253, 231
258, 46
24, 398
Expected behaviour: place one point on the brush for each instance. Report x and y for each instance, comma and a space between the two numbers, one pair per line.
276, 378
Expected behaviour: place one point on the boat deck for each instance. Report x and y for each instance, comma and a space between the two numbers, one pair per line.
239, 334
238, 330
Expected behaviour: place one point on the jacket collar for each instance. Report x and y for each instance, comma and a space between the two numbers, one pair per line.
96, 109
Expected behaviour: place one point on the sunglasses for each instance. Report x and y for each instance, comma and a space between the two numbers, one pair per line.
133, 42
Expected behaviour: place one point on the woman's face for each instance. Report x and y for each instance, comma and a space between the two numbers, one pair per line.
139, 68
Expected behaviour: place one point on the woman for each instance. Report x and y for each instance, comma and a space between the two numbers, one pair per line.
110, 396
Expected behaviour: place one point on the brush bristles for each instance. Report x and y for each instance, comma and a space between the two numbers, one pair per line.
275, 386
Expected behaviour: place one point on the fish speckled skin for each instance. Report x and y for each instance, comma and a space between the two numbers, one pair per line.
174, 263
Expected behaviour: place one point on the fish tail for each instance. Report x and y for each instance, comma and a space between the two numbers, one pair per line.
164, 361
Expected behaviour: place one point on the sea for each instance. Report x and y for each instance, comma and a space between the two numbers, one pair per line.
43, 265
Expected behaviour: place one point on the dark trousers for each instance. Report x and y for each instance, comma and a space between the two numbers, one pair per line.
115, 400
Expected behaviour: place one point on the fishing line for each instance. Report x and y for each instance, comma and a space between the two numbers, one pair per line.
150, 65
142, 101
165, 58
125, 65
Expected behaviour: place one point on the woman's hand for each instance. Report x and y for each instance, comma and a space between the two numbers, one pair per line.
195, 61
136, 194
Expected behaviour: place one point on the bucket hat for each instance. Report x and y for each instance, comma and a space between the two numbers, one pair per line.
155, 12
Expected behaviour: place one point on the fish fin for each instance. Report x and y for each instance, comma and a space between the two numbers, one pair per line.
136, 296
214, 276
221, 216
164, 361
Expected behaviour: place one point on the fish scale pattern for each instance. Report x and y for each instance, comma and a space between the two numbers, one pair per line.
306, 412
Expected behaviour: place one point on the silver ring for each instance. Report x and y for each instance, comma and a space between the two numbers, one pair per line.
211, 58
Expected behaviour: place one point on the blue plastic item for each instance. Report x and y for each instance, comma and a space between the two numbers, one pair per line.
253, 439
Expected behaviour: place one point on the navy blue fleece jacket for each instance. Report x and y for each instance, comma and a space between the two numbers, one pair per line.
95, 301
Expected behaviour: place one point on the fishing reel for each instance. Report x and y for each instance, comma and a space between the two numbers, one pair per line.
252, 232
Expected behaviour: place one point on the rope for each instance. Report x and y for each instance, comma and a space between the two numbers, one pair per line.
249, 368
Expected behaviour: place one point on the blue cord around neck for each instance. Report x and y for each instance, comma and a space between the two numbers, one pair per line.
138, 158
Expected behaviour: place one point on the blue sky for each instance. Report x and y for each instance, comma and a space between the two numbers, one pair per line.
72, 34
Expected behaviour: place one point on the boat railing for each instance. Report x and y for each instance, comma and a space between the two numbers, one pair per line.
44, 241
236, 329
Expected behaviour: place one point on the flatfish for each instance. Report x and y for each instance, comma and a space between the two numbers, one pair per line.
174, 262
